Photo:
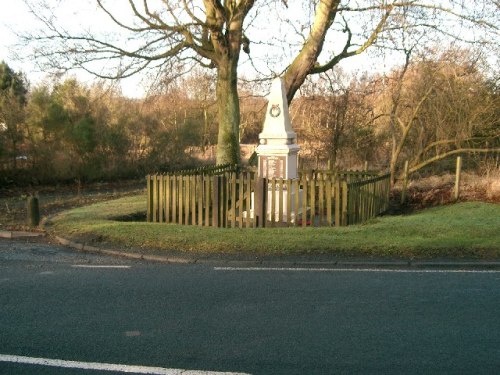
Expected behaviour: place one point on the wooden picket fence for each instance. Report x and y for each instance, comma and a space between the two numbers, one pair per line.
241, 200
367, 198
209, 170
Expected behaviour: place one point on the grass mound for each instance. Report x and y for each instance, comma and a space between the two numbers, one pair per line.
466, 230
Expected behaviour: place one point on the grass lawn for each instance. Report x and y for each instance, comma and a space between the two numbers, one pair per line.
463, 230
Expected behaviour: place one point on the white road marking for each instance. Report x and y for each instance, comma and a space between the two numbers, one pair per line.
107, 366
99, 266
387, 270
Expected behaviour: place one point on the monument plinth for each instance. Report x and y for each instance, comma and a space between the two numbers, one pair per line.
277, 150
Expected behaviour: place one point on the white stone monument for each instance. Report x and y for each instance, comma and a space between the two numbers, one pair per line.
277, 150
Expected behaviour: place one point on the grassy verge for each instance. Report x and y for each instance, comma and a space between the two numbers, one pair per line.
469, 230
54, 199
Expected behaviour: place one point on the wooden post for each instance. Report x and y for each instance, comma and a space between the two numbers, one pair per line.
405, 183
273, 201
150, 199
289, 202
33, 211
155, 199
328, 188
168, 199
248, 199
224, 201
457, 177
344, 203
194, 199
199, 197
216, 201
304, 200
296, 189
321, 199
181, 199
338, 222
161, 195
175, 189
260, 202
207, 204
312, 192
241, 199
233, 200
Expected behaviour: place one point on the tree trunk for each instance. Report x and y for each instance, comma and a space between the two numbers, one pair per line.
228, 147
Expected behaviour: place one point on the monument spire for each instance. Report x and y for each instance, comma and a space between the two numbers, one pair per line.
277, 151
277, 126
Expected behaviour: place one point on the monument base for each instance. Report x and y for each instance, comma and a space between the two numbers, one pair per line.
294, 212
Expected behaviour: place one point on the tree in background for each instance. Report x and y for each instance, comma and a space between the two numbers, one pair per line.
436, 106
170, 36
13, 91
333, 119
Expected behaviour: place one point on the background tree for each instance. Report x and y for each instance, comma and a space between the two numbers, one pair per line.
435, 106
13, 90
170, 36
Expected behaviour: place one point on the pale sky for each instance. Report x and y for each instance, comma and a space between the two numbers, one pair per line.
18, 19
84, 13
74, 14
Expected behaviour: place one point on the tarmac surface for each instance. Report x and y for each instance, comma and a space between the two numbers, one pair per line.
67, 311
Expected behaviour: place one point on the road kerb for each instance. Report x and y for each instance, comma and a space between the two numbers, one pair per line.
380, 264
20, 234
123, 254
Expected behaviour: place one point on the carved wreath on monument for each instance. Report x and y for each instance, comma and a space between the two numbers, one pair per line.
275, 110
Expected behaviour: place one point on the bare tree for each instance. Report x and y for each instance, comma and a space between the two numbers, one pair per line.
438, 106
169, 36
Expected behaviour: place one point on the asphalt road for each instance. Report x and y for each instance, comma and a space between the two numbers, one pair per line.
56, 304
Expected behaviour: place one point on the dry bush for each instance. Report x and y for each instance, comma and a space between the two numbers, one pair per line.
437, 190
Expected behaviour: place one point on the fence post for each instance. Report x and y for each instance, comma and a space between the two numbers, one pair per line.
260, 202
224, 201
405, 183
168, 199
248, 199
33, 211
207, 203
338, 222
199, 197
161, 195
233, 200
344, 203
155, 198
216, 201
150, 199
457, 177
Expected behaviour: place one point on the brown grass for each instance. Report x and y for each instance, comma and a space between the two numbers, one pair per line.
439, 190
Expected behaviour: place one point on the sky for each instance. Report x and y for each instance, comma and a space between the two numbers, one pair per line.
18, 19
73, 14
81, 13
